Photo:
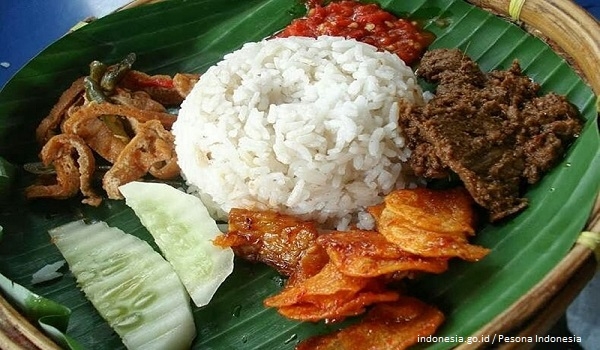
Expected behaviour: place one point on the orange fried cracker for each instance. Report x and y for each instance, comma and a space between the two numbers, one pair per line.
449, 210
74, 163
329, 295
370, 254
335, 309
329, 281
428, 243
311, 263
387, 326
429, 223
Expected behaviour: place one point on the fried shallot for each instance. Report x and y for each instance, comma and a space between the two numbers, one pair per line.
150, 150
49, 126
94, 110
137, 99
184, 82
121, 115
74, 163
97, 135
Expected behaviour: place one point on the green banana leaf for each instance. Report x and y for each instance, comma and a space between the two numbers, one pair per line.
52, 317
189, 36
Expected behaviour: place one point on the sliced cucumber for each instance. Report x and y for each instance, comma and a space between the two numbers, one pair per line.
183, 230
130, 284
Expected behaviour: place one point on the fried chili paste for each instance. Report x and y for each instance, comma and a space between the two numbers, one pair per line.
366, 23
494, 130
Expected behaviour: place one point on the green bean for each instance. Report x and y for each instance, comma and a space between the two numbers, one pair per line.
8, 171
93, 91
115, 73
115, 124
97, 70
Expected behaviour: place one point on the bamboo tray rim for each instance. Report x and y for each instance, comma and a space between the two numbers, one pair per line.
550, 297
551, 20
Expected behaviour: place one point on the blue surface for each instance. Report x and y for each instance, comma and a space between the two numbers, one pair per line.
592, 6
583, 315
29, 26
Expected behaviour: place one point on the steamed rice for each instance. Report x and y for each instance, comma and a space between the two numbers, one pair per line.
303, 126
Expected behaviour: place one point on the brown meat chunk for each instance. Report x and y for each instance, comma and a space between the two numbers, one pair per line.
492, 130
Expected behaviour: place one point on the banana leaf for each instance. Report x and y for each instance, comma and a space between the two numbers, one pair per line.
189, 36
52, 317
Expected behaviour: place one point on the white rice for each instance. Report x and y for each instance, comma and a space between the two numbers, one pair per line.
303, 126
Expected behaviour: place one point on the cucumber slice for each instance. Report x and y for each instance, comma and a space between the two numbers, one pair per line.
130, 284
183, 230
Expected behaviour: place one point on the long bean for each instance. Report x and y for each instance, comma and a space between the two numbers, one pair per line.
93, 91
115, 73
97, 70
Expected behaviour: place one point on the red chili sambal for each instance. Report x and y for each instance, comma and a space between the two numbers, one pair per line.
367, 23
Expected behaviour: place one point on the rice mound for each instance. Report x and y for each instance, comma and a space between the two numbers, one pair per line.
302, 126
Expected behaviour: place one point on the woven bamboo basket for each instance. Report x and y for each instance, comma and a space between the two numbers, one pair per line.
574, 34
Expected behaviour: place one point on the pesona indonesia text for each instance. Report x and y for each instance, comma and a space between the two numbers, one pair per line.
499, 338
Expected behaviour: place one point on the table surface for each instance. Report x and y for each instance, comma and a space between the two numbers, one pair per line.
27, 27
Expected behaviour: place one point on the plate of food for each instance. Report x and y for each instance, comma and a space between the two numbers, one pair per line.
278, 174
